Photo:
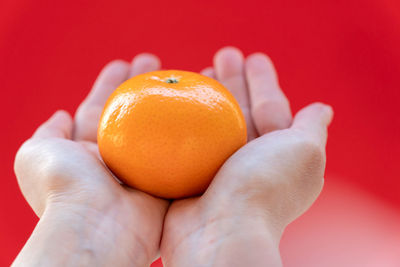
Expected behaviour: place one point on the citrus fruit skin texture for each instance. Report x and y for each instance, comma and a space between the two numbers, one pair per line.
168, 132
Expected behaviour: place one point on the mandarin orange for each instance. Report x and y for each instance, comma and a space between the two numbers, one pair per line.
168, 132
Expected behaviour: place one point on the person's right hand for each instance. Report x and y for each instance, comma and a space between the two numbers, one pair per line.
260, 189
87, 217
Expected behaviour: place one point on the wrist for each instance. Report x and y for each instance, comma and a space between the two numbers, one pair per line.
233, 238
77, 235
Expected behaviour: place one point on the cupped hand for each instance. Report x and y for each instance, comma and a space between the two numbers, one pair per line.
59, 171
264, 186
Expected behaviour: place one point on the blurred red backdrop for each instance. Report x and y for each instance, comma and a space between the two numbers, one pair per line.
345, 53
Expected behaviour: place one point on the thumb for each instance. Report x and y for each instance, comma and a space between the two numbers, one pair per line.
314, 120
59, 125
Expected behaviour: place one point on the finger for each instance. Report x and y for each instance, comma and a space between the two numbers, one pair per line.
59, 125
112, 75
143, 63
229, 69
92, 148
209, 72
269, 106
89, 112
314, 120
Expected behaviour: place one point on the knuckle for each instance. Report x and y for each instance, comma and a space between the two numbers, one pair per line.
82, 109
52, 167
37, 158
23, 155
263, 105
272, 125
312, 170
40, 171
267, 119
312, 152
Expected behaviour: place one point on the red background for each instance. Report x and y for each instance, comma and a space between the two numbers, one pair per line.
345, 53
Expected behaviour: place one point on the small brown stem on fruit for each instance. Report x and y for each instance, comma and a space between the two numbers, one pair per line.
171, 80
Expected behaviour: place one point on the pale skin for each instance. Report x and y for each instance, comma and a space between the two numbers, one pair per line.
88, 219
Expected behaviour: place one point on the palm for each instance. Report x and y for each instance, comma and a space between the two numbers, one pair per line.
85, 133
256, 172
186, 217
135, 204
67, 150
82, 176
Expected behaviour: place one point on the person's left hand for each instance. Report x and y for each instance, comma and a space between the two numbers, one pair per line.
87, 216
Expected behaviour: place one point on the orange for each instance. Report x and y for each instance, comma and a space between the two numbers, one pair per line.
168, 132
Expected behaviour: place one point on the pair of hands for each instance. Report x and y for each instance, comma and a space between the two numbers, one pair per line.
87, 217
